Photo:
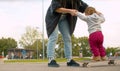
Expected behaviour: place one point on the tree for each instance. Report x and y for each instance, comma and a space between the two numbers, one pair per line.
60, 49
30, 37
112, 50
78, 44
45, 47
7, 43
75, 46
84, 46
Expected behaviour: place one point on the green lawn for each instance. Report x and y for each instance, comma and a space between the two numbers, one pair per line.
41, 60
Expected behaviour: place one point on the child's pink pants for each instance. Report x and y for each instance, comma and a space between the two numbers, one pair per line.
96, 44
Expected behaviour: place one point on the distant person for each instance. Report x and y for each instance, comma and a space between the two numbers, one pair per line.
12, 54
111, 54
94, 20
117, 54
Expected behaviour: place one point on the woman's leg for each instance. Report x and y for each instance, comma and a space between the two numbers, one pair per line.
51, 43
64, 29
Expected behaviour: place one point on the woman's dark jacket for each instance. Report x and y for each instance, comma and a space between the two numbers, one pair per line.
53, 17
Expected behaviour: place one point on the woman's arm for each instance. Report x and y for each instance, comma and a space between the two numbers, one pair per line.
65, 10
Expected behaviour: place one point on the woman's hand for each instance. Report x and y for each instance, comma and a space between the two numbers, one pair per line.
73, 12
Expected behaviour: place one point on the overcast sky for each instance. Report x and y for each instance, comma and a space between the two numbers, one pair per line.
16, 15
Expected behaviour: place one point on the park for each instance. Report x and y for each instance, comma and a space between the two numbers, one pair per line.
24, 39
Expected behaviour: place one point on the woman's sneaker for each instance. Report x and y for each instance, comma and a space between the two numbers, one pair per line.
72, 63
53, 63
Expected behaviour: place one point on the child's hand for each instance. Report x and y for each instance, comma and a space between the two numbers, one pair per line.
76, 13
98, 13
73, 12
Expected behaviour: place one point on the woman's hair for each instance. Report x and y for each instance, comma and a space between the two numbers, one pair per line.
90, 10
72, 3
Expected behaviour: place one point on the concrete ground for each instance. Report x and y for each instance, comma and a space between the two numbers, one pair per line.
93, 66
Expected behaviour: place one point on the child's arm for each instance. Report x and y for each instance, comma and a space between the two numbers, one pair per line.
81, 16
102, 19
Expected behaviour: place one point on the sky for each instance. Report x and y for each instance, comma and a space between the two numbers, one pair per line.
16, 15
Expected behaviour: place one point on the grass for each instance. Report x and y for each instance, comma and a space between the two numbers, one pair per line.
40, 60
24, 60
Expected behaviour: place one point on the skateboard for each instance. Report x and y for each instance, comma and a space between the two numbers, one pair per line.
110, 61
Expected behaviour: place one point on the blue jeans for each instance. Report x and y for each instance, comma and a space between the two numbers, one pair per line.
63, 27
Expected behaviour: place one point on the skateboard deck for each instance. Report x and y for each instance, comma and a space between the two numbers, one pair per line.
110, 61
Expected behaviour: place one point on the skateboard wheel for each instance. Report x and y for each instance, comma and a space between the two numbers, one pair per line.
85, 64
111, 62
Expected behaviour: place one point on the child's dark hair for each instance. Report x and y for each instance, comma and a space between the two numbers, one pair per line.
90, 10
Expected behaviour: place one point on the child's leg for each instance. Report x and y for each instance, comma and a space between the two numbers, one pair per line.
93, 46
101, 47
94, 50
102, 53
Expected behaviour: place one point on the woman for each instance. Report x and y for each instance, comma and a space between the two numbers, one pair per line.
61, 16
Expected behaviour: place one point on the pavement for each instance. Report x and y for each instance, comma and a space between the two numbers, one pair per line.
93, 66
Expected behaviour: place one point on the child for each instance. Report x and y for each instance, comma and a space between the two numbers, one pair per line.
94, 20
